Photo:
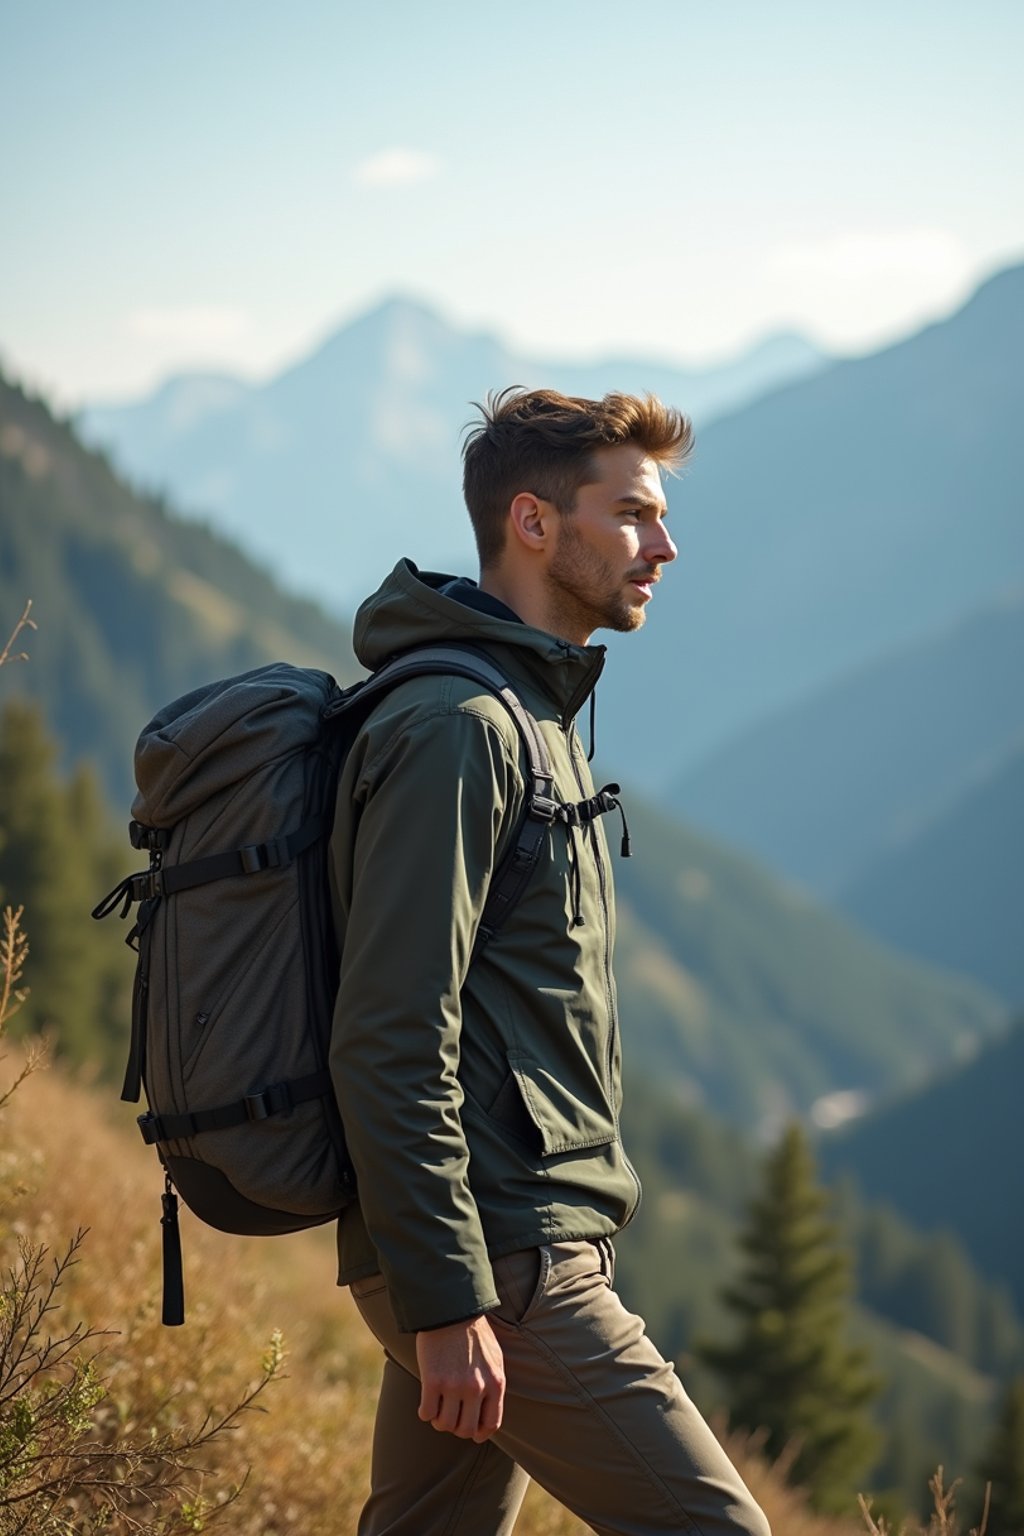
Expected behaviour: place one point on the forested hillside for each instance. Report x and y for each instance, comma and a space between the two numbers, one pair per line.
757, 1002
136, 606
951, 1158
954, 892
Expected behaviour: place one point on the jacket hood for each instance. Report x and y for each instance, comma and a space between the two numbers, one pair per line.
411, 609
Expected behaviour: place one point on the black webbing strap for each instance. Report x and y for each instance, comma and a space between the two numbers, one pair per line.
219, 866
173, 1312
463, 661
275, 1100
513, 873
511, 877
134, 1071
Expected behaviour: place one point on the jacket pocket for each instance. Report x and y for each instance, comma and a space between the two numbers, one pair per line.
563, 1121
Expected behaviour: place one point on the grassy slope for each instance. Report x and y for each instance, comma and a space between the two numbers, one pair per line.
79, 1165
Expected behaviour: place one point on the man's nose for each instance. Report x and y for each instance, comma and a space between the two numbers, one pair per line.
659, 548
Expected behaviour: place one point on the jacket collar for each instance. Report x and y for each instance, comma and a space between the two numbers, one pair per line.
410, 609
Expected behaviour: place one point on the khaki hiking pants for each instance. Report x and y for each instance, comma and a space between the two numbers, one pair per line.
592, 1413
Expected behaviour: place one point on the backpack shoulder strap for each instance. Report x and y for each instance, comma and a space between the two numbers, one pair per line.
540, 810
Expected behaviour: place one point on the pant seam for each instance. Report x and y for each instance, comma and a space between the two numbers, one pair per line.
475, 1468
635, 1453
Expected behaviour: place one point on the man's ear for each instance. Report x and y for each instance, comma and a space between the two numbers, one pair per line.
531, 521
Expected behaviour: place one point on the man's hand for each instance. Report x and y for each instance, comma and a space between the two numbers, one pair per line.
462, 1374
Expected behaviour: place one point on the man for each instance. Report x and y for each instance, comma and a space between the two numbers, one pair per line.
481, 1100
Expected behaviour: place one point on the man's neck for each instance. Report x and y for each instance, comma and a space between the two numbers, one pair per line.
530, 603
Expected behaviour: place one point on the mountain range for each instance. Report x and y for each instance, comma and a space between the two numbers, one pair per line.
822, 789
828, 521
735, 988
364, 433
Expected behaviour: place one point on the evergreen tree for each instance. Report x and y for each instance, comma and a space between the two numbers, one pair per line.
789, 1372
55, 861
1003, 1465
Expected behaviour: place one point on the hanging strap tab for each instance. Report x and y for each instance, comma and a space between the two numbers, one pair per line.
173, 1314
278, 1099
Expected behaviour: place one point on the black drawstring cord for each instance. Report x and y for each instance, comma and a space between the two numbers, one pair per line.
585, 813
611, 802
593, 721
575, 874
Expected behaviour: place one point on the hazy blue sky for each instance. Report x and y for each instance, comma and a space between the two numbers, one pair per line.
222, 183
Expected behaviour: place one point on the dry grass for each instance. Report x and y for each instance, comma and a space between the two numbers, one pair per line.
943, 1520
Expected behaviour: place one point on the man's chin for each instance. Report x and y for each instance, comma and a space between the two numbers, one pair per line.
625, 620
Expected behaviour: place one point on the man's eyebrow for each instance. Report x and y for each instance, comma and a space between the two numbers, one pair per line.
643, 501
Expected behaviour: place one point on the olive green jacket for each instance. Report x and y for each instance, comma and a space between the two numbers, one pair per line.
480, 1102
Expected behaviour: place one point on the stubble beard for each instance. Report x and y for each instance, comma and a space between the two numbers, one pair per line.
586, 591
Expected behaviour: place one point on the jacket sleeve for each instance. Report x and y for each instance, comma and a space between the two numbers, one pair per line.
434, 810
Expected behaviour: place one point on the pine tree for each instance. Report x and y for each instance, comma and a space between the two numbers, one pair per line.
51, 837
789, 1372
1003, 1465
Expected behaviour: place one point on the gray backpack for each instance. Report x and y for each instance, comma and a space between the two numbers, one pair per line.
237, 961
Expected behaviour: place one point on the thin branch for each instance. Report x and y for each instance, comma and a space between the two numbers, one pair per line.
23, 623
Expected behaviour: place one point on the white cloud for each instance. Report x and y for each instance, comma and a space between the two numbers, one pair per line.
191, 325
858, 256
860, 287
396, 168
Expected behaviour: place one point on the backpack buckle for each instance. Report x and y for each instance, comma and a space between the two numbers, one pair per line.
146, 886
274, 1100
260, 856
149, 1125
150, 838
543, 808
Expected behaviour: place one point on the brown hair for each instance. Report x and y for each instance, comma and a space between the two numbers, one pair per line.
544, 442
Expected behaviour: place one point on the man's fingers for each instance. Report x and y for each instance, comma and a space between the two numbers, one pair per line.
459, 1412
491, 1411
462, 1375
447, 1417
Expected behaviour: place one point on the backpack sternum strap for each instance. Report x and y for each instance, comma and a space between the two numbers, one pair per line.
277, 1099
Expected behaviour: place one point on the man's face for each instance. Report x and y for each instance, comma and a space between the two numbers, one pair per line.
610, 548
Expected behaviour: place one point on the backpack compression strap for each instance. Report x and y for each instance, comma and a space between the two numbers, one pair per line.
541, 809
167, 880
